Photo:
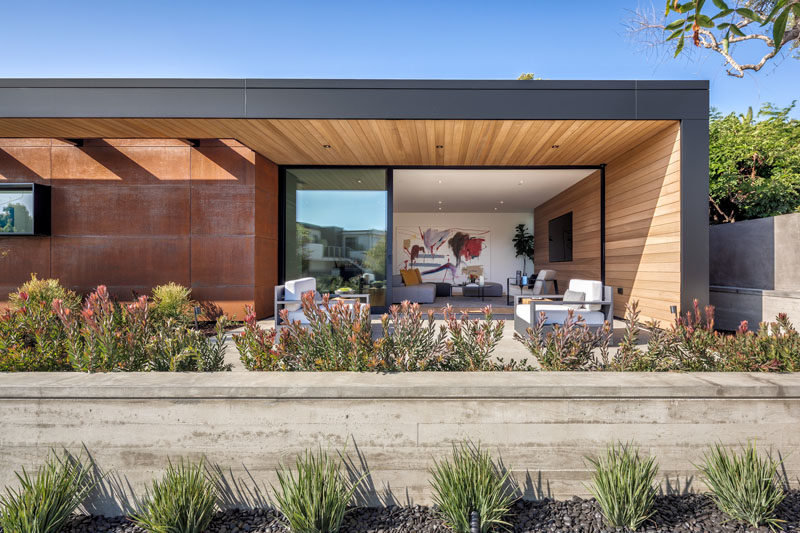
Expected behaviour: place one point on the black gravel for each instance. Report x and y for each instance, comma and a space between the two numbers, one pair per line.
691, 513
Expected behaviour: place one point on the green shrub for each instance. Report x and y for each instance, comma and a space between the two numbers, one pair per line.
314, 500
32, 339
256, 345
744, 486
411, 342
622, 483
471, 481
172, 301
471, 342
568, 346
44, 502
182, 501
35, 291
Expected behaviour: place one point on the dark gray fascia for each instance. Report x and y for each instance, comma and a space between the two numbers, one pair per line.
353, 99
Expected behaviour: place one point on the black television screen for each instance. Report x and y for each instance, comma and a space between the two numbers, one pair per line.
560, 234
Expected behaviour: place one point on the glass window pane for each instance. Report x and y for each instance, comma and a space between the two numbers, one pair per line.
16, 210
336, 229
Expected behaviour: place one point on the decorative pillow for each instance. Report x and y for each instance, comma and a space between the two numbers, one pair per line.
418, 275
408, 278
574, 296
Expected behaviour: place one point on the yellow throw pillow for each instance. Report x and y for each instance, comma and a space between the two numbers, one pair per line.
408, 277
418, 275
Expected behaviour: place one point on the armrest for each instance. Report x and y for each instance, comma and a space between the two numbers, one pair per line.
577, 302
555, 297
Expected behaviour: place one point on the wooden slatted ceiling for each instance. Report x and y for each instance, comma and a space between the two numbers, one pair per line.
377, 142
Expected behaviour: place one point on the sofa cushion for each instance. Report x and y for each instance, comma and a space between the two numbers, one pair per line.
593, 290
558, 316
409, 278
397, 280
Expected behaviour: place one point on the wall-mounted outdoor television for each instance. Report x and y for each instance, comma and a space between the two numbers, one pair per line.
560, 234
24, 209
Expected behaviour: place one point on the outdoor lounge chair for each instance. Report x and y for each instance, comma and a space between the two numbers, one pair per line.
595, 308
288, 296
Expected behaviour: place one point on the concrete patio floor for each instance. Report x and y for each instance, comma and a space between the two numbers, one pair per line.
508, 348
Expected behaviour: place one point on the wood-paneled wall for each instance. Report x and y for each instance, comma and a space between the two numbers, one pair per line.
642, 227
583, 199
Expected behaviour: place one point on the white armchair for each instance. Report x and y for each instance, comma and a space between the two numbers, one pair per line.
591, 301
288, 296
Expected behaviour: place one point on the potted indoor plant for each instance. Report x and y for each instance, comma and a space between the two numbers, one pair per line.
523, 245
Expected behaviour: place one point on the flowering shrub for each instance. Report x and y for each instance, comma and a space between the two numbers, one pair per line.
569, 346
338, 336
103, 336
690, 345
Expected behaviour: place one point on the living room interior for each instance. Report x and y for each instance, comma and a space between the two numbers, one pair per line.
456, 227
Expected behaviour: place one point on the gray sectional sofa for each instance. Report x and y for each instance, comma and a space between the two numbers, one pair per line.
424, 293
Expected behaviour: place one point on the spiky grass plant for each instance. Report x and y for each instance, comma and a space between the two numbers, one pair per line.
471, 481
315, 499
182, 501
45, 501
745, 485
622, 483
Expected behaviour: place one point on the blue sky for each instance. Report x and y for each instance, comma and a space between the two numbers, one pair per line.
375, 39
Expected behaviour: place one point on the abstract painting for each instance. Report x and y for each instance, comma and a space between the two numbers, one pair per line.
443, 254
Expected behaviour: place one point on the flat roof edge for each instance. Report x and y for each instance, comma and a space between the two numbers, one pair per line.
288, 83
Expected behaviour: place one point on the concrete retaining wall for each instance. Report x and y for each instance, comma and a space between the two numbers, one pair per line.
542, 424
754, 270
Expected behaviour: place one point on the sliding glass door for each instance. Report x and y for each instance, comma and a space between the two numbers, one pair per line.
336, 229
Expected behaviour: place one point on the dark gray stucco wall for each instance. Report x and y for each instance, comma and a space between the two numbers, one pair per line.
694, 212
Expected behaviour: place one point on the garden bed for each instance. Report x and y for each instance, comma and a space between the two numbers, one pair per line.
689, 513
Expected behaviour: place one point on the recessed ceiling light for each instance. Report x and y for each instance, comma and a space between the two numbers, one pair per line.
359, 181
521, 182
439, 146
555, 146
495, 209
440, 209
440, 201
439, 182
326, 146
501, 202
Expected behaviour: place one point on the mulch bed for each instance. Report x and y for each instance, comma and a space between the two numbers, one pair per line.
691, 513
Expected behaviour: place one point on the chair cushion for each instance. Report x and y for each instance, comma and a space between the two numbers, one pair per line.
573, 296
593, 290
558, 316
294, 289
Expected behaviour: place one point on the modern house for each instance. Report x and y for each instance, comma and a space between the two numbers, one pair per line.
232, 186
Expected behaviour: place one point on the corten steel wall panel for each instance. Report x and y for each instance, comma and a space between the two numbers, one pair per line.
19, 257
643, 230
133, 213
116, 210
24, 163
583, 200
222, 260
222, 210
128, 165
142, 262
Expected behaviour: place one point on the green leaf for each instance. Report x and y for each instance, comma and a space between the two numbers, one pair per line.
796, 9
723, 13
735, 29
720, 4
679, 47
685, 8
674, 25
723, 25
779, 28
748, 13
676, 33
699, 6
704, 21
777, 7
